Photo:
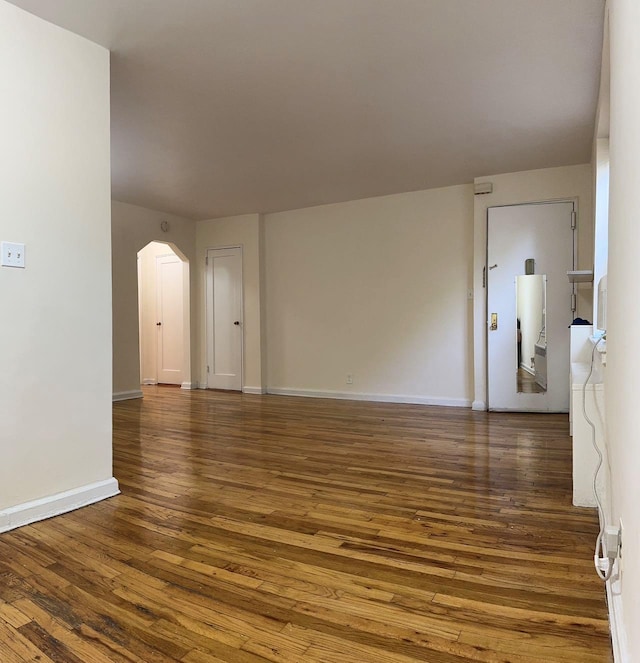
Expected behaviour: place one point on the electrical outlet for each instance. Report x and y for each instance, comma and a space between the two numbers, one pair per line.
620, 550
612, 541
12, 254
349, 378
621, 535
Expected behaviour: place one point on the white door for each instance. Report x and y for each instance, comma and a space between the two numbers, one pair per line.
542, 232
170, 322
224, 319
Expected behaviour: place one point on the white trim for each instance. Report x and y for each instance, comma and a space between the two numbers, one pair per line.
579, 386
378, 398
54, 505
532, 411
254, 390
189, 385
126, 395
528, 369
479, 406
224, 247
616, 622
149, 382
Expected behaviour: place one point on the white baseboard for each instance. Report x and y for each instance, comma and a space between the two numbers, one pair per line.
201, 385
378, 398
253, 390
616, 623
127, 395
189, 385
479, 406
54, 505
528, 369
149, 381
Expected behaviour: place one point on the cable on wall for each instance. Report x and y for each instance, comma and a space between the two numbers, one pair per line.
600, 554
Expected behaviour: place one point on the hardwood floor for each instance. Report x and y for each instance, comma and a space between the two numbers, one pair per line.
268, 528
526, 383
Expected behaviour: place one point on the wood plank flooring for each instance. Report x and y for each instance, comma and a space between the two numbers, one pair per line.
268, 528
526, 383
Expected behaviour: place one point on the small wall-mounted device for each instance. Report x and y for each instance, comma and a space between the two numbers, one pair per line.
601, 322
482, 188
529, 266
12, 254
580, 276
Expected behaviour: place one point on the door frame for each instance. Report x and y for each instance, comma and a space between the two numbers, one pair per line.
187, 301
485, 279
208, 311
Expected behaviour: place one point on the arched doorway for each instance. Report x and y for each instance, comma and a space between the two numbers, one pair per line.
163, 315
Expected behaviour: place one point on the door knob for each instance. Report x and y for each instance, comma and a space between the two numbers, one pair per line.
158, 324
237, 322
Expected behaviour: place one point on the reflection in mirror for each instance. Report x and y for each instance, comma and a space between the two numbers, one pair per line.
531, 303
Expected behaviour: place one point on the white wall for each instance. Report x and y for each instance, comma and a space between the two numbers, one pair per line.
376, 288
241, 231
622, 379
55, 336
525, 187
132, 228
601, 246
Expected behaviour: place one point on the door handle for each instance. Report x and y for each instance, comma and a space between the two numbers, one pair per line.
237, 322
158, 324
494, 322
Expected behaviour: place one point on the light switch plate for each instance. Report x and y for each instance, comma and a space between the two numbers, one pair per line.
12, 254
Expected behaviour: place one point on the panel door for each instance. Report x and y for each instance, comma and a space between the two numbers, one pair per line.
170, 323
224, 319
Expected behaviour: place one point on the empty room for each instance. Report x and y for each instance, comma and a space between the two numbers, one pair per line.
318, 333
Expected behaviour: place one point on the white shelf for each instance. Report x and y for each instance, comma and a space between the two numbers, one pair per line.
580, 276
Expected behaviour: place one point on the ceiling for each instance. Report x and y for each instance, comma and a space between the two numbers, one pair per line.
224, 107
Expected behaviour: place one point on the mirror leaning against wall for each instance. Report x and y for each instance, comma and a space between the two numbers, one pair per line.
531, 359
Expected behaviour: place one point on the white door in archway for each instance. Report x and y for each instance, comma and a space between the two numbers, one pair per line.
224, 319
170, 319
